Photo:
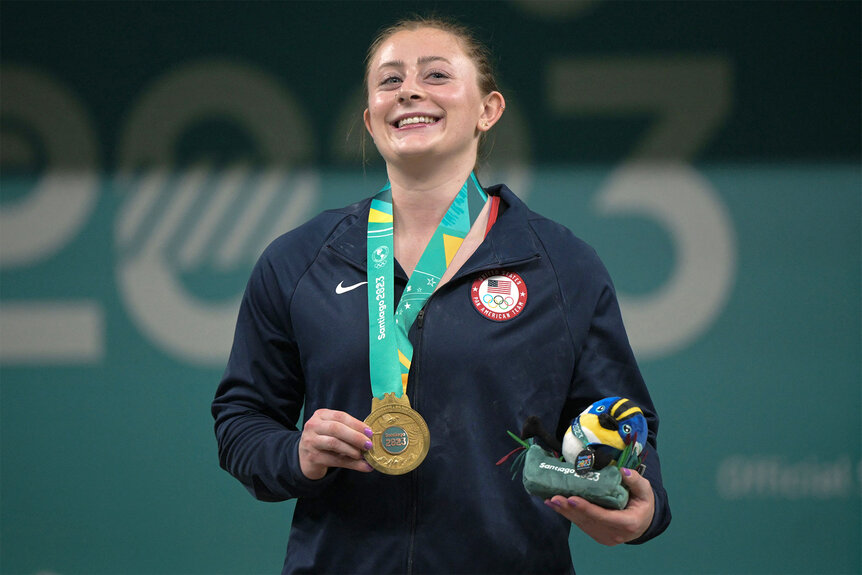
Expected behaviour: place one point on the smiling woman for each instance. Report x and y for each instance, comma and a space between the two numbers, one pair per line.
432, 246
468, 45
425, 101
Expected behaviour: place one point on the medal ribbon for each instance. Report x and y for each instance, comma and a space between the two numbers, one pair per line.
390, 351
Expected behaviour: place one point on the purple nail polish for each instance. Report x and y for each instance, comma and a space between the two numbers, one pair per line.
368, 445
572, 502
369, 432
552, 503
627, 471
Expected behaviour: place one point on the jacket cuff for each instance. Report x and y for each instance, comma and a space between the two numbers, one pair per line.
302, 486
660, 519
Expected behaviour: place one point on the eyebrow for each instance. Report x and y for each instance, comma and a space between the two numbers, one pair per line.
421, 60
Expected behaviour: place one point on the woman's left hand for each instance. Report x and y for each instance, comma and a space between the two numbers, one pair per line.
611, 526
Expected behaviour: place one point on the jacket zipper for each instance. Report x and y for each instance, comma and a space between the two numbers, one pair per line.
414, 479
414, 397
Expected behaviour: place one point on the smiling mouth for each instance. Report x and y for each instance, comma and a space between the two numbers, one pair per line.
413, 120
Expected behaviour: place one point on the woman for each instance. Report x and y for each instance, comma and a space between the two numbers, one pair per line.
520, 319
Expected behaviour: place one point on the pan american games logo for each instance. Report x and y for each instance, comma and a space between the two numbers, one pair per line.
187, 237
185, 240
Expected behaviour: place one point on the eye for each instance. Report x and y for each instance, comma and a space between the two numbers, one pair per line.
627, 428
600, 409
437, 75
390, 80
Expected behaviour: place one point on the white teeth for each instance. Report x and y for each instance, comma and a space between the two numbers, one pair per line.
416, 120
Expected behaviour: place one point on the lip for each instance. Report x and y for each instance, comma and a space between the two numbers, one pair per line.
399, 118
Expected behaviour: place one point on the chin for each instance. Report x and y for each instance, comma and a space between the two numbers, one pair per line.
430, 150
413, 153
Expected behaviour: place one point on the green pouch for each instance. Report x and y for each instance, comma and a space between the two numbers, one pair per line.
546, 476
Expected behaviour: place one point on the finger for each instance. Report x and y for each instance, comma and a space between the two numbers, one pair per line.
609, 526
638, 485
595, 521
575, 508
348, 420
557, 502
357, 440
329, 439
338, 432
333, 460
585, 510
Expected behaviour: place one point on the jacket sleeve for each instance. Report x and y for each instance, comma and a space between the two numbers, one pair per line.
605, 365
258, 402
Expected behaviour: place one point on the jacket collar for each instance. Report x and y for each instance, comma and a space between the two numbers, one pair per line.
510, 241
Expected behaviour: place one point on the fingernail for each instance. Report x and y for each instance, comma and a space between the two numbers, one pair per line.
627, 471
369, 432
368, 467
368, 445
572, 502
552, 503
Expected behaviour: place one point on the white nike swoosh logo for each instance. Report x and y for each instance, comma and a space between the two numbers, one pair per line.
340, 289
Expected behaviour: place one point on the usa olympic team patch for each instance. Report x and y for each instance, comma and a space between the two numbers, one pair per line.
499, 295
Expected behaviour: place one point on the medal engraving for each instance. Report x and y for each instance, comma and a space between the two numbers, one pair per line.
401, 437
394, 440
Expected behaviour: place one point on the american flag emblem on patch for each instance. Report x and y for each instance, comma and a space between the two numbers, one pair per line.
499, 286
499, 295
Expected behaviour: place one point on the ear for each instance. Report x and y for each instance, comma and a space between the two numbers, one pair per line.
366, 117
492, 109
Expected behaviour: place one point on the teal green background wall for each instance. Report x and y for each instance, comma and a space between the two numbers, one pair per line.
708, 150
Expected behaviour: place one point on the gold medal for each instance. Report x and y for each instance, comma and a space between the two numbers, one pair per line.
401, 437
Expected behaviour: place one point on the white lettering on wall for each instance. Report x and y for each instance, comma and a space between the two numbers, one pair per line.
52, 210
689, 98
175, 218
683, 203
765, 477
192, 204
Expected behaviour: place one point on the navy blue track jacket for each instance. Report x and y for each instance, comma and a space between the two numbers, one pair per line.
472, 378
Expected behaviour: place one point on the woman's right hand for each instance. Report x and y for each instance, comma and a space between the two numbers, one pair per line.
333, 439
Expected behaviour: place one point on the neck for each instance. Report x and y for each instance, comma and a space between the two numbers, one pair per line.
420, 198
419, 202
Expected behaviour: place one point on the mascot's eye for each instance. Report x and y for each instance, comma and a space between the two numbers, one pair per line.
600, 409
627, 428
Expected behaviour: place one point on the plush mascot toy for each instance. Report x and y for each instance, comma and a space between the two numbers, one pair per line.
607, 436
612, 430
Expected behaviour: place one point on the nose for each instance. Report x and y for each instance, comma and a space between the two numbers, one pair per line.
403, 97
405, 94
409, 91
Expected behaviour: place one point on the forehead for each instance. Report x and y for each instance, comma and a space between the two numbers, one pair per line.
408, 46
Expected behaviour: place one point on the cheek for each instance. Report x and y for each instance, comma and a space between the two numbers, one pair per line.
377, 109
466, 102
